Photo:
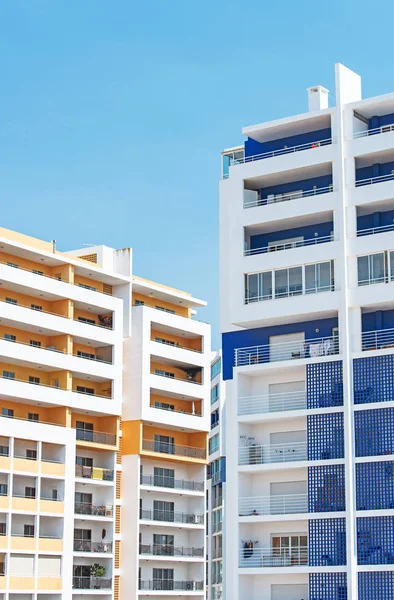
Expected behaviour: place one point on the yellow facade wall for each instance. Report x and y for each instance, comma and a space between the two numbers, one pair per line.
178, 373
183, 342
131, 437
182, 311
101, 388
179, 405
62, 343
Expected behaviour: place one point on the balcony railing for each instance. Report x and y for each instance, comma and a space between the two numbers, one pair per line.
170, 516
96, 473
170, 482
96, 510
51, 385
92, 583
174, 345
178, 411
169, 550
286, 196
376, 340
273, 557
52, 348
310, 348
169, 585
214, 425
274, 453
175, 449
372, 180
96, 437
290, 292
273, 505
286, 150
89, 546
252, 405
290, 245
186, 379
374, 131
375, 230
48, 312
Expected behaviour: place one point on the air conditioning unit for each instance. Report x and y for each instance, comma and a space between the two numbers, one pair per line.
189, 586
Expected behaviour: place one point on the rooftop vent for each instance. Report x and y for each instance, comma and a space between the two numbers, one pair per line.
317, 98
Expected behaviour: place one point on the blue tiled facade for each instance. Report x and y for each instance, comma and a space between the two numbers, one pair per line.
327, 542
376, 585
324, 384
375, 540
375, 485
326, 488
374, 432
327, 586
373, 379
325, 436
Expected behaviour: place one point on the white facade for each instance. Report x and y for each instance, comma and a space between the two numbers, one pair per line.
306, 241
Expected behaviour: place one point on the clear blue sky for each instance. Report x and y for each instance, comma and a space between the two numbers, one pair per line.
113, 114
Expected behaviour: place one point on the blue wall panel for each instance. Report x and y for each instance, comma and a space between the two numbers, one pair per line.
326, 488
375, 540
376, 321
376, 585
325, 436
328, 586
373, 379
375, 486
261, 335
305, 185
376, 219
378, 121
327, 542
252, 147
375, 170
324, 384
374, 432
307, 232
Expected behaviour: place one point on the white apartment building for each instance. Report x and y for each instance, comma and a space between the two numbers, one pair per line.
88, 510
307, 317
216, 482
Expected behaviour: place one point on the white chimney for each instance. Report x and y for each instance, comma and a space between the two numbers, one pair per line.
317, 98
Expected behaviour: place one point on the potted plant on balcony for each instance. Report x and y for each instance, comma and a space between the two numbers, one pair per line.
97, 571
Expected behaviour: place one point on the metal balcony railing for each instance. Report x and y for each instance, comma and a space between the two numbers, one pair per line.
290, 245
289, 292
175, 378
92, 583
173, 551
166, 448
97, 510
96, 437
52, 348
286, 150
375, 230
170, 516
174, 344
96, 473
179, 411
374, 131
273, 557
89, 546
376, 340
252, 405
170, 482
273, 505
164, 585
310, 348
372, 180
285, 197
274, 453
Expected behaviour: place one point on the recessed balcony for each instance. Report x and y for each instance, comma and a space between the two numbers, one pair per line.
262, 404
255, 558
170, 585
256, 506
162, 481
170, 551
273, 453
94, 510
92, 583
170, 516
94, 473
93, 547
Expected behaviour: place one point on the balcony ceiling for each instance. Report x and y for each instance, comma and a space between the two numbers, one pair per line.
173, 331
282, 128
375, 157
283, 224
289, 176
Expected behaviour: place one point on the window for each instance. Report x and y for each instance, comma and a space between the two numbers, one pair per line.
258, 287
28, 531
163, 579
214, 444
35, 343
4, 451
319, 277
294, 548
164, 406
3, 529
9, 375
84, 431
214, 393
164, 373
3, 489
85, 320
14, 265
163, 477
34, 380
30, 492
84, 461
81, 389
9, 337
87, 287
163, 511
37, 272
36, 307
167, 310
33, 417
164, 341
7, 412
139, 303
164, 443
288, 282
85, 355
371, 269
216, 368
31, 454
11, 301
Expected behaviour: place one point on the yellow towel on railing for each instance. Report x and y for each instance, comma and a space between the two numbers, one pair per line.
97, 473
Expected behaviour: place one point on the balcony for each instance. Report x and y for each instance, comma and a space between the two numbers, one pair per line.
162, 481
96, 437
170, 516
373, 180
252, 405
290, 245
95, 510
303, 349
250, 202
254, 558
281, 151
95, 473
171, 551
91, 583
273, 505
169, 375
374, 131
169, 585
173, 449
274, 453
375, 230
377, 340
94, 547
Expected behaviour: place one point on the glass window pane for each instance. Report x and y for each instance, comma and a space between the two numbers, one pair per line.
295, 281
266, 285
281, 283
377, 267
324, 276
392, 265
252, 287
310, 278
363, 270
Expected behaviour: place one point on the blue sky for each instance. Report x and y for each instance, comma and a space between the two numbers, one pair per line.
113, 114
